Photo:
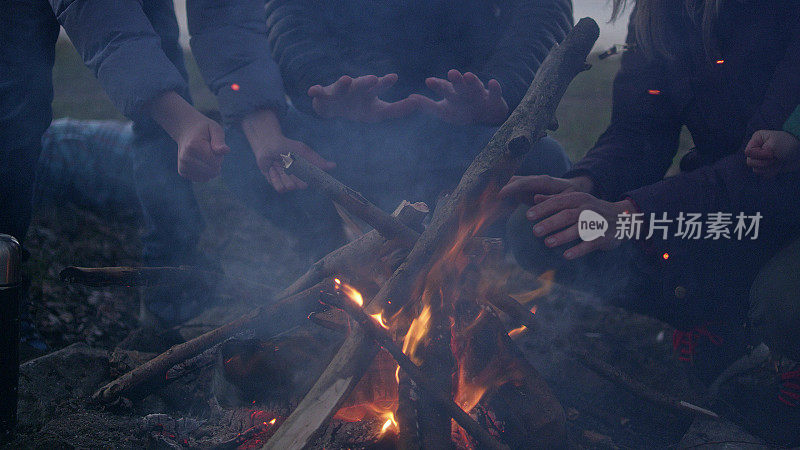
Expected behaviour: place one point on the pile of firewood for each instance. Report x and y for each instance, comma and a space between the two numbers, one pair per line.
399, 242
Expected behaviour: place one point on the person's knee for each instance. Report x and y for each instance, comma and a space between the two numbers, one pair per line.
547, 157
529, 250
775, 302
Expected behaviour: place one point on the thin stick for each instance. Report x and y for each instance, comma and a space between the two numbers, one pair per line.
637, 388
388, 226
357, 255
154, 372
382, 337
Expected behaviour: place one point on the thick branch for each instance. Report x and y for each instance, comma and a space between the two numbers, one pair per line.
356, 256
496, 163
388, 226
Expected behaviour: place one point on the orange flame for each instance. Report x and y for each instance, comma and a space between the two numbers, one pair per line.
351, 292
390, 423
379, 318
517, 331
546, 280
417, 333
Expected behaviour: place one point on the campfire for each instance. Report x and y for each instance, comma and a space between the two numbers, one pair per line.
428, 358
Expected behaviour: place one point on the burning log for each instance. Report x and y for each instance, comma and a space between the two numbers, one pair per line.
292, 310
492, 167
639, 389
431, 388
355, 256
389, 227
514, 309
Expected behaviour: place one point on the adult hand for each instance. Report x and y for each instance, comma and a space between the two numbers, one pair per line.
465, 99
357, 99
263, 132
523, 188
201, 141
771, 152
556, 216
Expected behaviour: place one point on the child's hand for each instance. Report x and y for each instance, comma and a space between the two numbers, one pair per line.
201, 141
263, 131
771, 152
201, 148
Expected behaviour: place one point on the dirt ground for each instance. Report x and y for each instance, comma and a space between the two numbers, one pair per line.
89, 323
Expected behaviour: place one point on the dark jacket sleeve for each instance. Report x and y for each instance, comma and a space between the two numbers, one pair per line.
642, 139
728, 184
304, 48
229, 42
117, 42
532, 27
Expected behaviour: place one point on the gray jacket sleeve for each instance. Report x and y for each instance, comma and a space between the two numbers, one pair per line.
118, 43
229, 42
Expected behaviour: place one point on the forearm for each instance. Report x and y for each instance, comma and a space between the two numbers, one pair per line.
173, 113
261, 127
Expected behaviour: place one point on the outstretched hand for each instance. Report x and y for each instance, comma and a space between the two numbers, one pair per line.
357, 99
465, 99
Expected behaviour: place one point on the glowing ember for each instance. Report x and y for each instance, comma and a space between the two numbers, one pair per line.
665, 256
517, 331
654, 92
235, 87
390, 423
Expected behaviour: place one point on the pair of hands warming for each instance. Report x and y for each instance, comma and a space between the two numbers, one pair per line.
201, 142
465, 99
557, 204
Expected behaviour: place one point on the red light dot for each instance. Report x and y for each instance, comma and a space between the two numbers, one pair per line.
665, 256
720, 61
654, 92
235, 87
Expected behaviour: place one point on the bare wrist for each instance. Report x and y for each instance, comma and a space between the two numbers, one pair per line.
261, 126
173, 113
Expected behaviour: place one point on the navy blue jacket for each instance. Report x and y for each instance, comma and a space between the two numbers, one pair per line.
317, 41
123, 47
753, 83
